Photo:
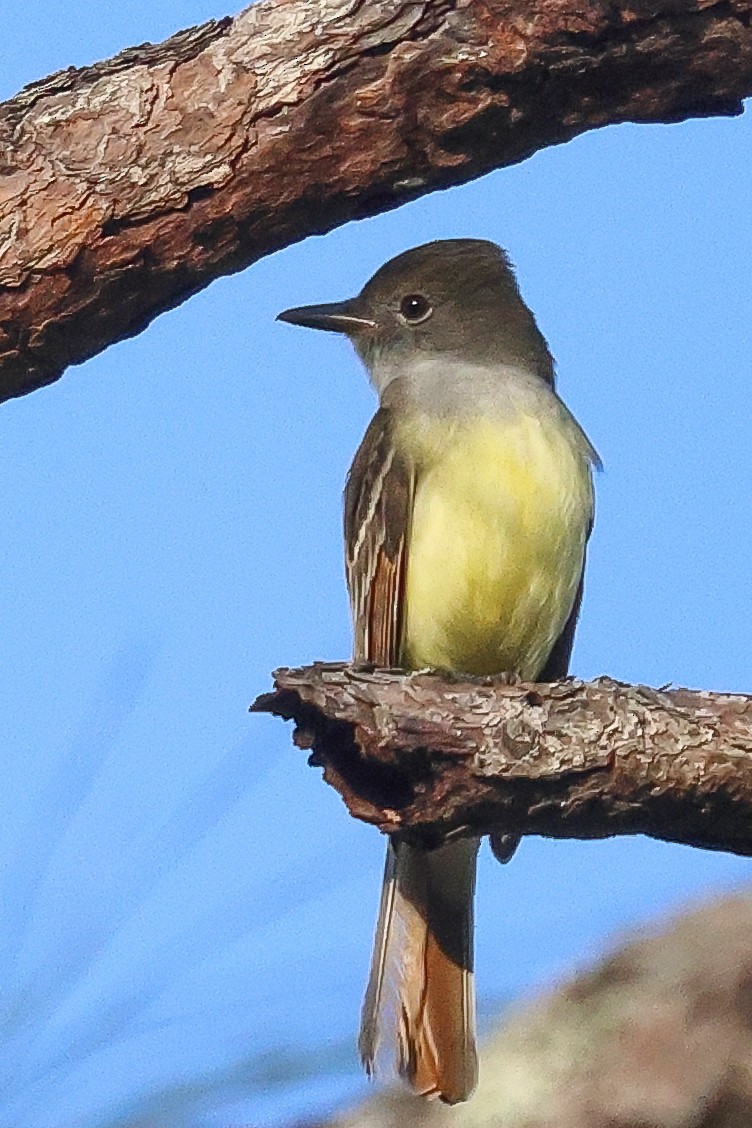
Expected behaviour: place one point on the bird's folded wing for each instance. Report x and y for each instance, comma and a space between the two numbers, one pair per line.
378, 503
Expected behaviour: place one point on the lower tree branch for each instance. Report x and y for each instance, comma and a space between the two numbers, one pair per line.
423, 756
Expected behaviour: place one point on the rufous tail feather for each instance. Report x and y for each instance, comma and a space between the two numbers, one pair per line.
421, 995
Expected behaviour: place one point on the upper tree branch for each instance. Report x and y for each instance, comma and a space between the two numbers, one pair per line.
127, 186
425, 757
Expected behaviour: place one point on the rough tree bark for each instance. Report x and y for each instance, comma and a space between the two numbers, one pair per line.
425, 757
127, 186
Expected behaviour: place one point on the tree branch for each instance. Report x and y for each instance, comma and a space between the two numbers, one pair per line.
128, 186
425, 757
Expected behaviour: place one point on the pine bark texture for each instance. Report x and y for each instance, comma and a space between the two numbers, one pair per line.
426, 757
127, 186
658, 1035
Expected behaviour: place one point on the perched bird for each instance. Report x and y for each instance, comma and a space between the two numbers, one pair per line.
467, 512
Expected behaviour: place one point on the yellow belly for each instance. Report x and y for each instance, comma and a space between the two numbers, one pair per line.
501, 517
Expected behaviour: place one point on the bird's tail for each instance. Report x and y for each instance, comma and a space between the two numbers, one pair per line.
421, 992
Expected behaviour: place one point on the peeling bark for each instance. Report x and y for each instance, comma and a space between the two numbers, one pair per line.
425, 757
127, 186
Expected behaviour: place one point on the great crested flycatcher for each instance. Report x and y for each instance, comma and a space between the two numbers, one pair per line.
467, 511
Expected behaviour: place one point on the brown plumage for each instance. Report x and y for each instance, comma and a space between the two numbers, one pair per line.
470, 454
421, 992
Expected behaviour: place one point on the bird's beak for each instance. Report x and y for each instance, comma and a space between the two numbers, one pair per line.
338, 317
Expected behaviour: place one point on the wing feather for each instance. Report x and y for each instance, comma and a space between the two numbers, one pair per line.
378, 501
420, 990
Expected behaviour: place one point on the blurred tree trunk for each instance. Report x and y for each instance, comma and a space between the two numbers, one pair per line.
659, 1035
127, 186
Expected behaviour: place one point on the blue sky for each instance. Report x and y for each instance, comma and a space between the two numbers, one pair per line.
187, 909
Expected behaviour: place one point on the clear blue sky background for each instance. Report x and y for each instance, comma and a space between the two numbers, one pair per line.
187, 910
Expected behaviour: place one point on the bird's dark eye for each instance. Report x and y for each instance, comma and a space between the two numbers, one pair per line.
415, 308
